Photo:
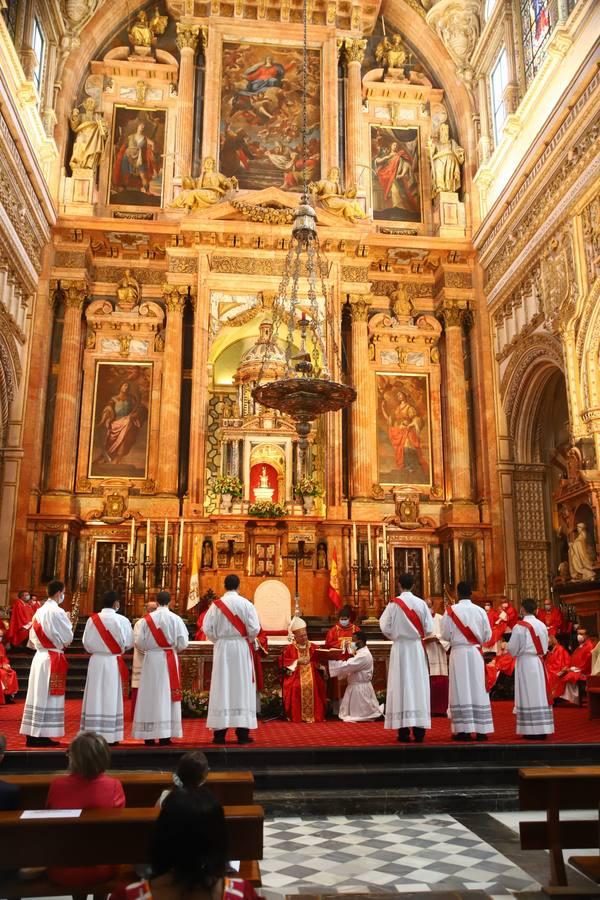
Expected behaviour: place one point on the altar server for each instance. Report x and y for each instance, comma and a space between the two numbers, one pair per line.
359, 703
44, 713
138, 656
406, 620
106, 636
466, 627
437, 657
231, 623
529, 644
162, 635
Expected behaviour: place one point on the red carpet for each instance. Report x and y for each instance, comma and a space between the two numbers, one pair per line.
572, 727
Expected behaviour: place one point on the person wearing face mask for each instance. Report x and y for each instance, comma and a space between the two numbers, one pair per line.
492, 615
557, 663
581, 666
106, 637
21, 615
304, 698
507, 618
551, 617
44, 713
339, 637
359, 703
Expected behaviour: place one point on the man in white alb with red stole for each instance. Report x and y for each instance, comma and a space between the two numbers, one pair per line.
466, 628
107, 635
406, 620
533, 704
162, 635
232, 624
44, 713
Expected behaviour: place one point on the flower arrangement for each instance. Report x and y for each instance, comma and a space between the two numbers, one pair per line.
308, 487
194, 705
266, 509
227, 484
271, 704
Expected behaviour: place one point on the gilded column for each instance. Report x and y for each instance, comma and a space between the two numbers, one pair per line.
354, 52
187, 41
362, 415
452, 313
170, 401
200, 381
66, 408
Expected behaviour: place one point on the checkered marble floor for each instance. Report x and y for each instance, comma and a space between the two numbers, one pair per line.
382, 854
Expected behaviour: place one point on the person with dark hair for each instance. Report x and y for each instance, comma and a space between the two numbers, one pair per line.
406, 620
533, 703
359, 703
190, 775
162, 635
339, 637
51, 632
466, 628
138, 657
106, 637
575, 678
21, 615
232, 624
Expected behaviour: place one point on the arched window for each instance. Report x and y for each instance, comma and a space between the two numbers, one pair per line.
538, 21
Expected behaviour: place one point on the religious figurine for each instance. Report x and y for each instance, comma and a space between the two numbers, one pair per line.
91, 135
143, 32
321, 555
400, 303
335, 200
391, 54
582, 555
128, 291
446, 158
206, 190
207, 554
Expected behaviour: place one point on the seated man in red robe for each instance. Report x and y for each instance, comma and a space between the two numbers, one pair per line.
492, 619
503, 664
557, 663
20, 620
339, 637
581, 666
507, 619
8, 678
551, 616
304, 697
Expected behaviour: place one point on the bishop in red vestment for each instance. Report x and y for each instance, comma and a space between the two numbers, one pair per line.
20, 620
506, 621
8, 678
551, 617
492, 619
304, 698
558, 663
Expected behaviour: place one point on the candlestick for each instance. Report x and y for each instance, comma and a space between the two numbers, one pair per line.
353, 548
132, 537
383, 25
165, 537
385, 553
369, 543
180, 550
148, 538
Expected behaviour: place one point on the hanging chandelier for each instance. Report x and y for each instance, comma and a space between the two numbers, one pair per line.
307, 388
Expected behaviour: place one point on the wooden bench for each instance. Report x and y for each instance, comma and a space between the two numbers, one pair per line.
552, 790
143, 788
118, 837
593, 695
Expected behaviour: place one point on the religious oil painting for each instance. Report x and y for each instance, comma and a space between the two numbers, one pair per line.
403, 429
395, 174
261, 116
137, 161
119, 439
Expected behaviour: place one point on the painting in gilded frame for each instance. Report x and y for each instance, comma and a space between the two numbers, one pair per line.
261, 115
395, 174
120, 420
403, 429
137, 157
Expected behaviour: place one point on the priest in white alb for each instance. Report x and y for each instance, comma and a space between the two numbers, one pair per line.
138, 656
533, 704
466, 628
232, 624
437, 657
359, 703
406, 620
106, 637
162, 636
44, 713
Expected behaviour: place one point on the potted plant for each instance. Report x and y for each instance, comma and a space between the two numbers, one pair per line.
228, 487
266, 509
308, 488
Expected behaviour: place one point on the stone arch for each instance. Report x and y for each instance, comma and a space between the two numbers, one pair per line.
8, 386
589, 346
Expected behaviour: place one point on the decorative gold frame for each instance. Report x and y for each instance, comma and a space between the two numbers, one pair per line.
425, 376
416, 128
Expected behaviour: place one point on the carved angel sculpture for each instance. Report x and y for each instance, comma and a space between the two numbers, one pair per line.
334, 199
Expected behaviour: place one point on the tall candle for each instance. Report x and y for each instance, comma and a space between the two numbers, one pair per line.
180, 551
147, 538
353, 548
369, 542
165, 537
132, 538
384, 543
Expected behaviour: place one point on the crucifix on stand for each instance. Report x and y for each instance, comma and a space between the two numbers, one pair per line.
298, 556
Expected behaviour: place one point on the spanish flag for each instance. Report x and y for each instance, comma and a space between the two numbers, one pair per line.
334, 585
194, 592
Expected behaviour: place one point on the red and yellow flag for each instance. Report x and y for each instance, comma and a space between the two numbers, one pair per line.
334, 584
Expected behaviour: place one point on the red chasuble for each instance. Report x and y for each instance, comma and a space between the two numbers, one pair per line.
8, 677
20, 616
552, 620
339, 638
582, 659
200, 636
304, 690
556, 660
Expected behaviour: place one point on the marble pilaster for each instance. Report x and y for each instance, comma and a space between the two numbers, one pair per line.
354, 52
187, 42
452, 313
168, 452
363, 407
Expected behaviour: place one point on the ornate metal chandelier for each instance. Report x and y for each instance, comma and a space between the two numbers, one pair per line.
307, 389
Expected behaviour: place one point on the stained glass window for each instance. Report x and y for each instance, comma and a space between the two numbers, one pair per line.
538, 18
498, 82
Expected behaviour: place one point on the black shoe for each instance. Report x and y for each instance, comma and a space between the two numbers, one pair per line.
461, 736
165, 742
219, 736
419, 735
480, 737
534, 737
9, 698
31, 741
404, 735
149, 742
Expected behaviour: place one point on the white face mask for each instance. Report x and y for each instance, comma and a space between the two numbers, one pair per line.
547, 607
581, 638
61, 599
344, 622
354, 647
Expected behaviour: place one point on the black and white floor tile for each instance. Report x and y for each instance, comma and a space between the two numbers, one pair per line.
384, 854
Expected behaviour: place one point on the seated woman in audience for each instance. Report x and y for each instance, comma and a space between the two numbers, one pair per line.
85, 787
189, 854
191, 773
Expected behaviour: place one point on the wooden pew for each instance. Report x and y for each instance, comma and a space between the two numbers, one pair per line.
119, 837
144, 788
589, 865
552, 790
593, 695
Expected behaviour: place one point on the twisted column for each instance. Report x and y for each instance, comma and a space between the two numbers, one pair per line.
354, 53
187, 41
66, 407
363, 409
452, 313
170, 401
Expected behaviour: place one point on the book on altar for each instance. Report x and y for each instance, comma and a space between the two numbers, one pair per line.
51, 813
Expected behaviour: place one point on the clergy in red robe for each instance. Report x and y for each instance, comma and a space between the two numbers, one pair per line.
260, 650
8, 678
558, 663
507, 619
200, 636
304, 697
551, 617
492, 619
339, 637
581, 658
501, 664
20, 620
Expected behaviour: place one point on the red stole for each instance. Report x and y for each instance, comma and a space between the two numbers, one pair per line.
540, 652
237, 623
160, 638
411, 615
58, 663
114, 648
472, 639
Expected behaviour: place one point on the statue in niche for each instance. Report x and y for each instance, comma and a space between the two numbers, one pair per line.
322, 555
143, 33
401, 305
446, 158
335, 200
391, 54
207, 554
128, 291
582, 555
91, 136
205, 191
228, 408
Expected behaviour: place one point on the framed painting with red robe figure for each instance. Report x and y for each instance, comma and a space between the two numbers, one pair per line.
119, 441
395, 174
138, 147
403, 429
